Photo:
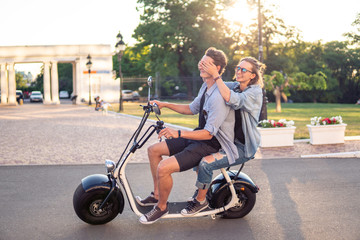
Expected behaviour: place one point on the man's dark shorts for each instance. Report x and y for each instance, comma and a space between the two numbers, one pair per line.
189, 153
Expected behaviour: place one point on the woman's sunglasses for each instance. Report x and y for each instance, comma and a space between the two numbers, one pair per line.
243, 70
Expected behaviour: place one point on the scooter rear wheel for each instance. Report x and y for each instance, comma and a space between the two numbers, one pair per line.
86, 205
246, 197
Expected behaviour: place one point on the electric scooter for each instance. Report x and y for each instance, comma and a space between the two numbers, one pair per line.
99, 198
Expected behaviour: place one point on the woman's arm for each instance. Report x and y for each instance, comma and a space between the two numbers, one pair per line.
224, 90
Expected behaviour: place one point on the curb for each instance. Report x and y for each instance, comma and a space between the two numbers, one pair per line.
346, 138
334, 155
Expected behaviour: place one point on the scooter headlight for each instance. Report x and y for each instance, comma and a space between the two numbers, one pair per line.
110, 166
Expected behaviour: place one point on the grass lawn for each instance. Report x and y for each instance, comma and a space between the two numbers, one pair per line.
300, 113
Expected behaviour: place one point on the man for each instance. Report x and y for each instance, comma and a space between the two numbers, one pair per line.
187, 148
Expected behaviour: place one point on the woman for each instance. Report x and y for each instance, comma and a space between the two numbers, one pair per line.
245, 97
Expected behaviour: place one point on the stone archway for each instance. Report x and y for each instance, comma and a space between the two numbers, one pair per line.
100, 81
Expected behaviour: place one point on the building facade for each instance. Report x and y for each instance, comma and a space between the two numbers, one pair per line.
100, 82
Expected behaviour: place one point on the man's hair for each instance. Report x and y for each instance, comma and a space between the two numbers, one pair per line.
219, 58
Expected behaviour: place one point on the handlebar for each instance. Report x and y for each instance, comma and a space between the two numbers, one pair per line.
138, 143
152, 108
159, 126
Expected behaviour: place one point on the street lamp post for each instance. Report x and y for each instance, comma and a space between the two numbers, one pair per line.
260, 32
263, 113
88, 65
120, 48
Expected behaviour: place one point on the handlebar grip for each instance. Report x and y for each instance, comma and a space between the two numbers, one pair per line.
159, 129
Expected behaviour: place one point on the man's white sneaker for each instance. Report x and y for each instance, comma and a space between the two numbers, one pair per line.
194, 207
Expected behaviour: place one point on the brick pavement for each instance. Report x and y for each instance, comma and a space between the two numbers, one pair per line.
63, 134
76, 134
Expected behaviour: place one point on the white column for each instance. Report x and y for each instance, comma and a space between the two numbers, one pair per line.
79, 91
47, 96
4, 85
54, 83
12, 85
74, 78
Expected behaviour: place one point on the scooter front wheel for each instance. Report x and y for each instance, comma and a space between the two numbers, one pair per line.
247, 200
86, 206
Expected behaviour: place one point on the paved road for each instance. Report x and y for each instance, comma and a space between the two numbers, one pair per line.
45, 151
299, 199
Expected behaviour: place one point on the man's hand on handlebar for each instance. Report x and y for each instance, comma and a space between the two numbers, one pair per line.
168, 133
160, 104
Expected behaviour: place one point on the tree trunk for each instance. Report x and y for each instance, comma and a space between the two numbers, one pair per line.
314, 99
314, 96
284, 97
277, 95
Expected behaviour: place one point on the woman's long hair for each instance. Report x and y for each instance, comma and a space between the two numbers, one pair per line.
258, 68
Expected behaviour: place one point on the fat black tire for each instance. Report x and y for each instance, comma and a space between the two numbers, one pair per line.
246, 196
86, 204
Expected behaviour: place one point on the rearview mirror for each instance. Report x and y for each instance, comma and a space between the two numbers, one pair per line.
149, 80
156, 109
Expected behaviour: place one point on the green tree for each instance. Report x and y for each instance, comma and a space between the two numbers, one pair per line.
65, 72
309, 58
316, 84
276, 83
344, 63
134, 62
38, 84
178, 32
20, 81
280, 84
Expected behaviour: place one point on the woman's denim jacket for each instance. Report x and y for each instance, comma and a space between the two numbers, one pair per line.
250, 103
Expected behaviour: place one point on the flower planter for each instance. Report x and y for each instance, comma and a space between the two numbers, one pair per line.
277, 137
327, 134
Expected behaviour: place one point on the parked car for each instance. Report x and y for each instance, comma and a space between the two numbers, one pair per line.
19, 97
136, 96
129, 95
64, 94
36, 96
180, 96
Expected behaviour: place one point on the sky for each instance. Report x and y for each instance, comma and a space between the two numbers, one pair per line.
44, 22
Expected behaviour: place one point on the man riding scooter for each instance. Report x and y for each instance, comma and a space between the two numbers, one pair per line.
187, 148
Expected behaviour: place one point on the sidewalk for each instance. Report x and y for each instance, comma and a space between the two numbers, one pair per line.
303, 149
37, 134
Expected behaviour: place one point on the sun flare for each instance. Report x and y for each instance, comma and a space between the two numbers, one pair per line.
240, 14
